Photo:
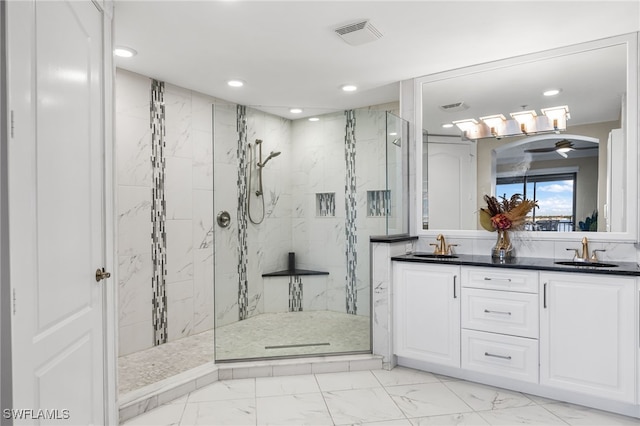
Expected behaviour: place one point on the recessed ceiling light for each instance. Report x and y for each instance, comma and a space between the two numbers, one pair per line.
314, 119
295, 110
447, 125
124, 52
551, 92
349, 88
235, 83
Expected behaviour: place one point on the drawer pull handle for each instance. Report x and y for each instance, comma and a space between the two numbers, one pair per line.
497, 279
497, 356
486, 311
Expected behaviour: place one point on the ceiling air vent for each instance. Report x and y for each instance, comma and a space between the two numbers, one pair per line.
358, 33
456, 106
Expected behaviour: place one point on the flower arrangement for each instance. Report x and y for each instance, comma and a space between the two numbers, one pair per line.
505, 214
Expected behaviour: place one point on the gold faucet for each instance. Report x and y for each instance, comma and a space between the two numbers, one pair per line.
585, 252
585, 249
441, 248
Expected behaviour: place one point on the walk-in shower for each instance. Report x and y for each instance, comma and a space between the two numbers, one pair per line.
323, 201
174, 257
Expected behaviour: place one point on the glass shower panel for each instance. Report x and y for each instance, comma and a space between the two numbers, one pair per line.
397, 176
280, 262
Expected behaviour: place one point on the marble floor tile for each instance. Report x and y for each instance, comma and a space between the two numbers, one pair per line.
397, 422
579, 415
232, 412
374, 398
459, 419
225, 390
304, 409
356, 406
165, 415
403, 376
529, 415
540, 400
288, 385
427, 399
343, 381
483, 397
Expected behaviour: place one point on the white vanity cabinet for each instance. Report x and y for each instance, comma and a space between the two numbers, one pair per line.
426, 321
587, 334
500, 322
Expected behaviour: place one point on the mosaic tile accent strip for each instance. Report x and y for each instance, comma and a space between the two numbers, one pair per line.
351, 212
158, 214
326, 204
243, 284
378, 203
295, 293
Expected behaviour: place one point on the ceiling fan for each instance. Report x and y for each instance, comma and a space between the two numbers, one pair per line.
561, 147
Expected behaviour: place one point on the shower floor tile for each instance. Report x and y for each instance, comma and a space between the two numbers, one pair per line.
261, 336
151, 365
279, 334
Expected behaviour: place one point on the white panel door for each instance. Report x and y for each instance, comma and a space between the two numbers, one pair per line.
452, 186
56, 191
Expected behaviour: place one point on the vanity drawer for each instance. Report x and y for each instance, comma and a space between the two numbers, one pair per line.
500, 312
496, 354
500, 279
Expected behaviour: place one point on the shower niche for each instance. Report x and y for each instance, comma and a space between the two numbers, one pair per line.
311, 195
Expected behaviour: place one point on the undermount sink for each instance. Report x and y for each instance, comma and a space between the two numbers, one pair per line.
436, 256
585, 264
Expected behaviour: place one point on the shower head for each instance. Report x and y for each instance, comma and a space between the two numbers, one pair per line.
397, 142
258, 141
273, 154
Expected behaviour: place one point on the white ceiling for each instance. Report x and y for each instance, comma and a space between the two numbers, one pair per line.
289, 55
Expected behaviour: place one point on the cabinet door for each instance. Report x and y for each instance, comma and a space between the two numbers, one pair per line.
427, 312
587, 334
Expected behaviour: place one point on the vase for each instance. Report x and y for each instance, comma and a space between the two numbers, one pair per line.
503, 250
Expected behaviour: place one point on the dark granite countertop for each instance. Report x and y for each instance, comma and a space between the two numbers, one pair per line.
392, 238
533, 263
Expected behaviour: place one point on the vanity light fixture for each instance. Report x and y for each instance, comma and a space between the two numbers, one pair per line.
496, 124
558, 116
552, 120
526, 119
235, 83
124, 52
469, 126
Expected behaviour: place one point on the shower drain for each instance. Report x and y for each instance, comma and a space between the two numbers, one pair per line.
302, 345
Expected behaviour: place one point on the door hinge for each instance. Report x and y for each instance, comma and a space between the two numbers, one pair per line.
12, 126
14, 301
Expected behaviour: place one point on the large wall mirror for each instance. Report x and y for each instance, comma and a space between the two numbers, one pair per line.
583, 174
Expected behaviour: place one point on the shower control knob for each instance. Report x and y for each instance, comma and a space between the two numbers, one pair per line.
223, 219
101, 274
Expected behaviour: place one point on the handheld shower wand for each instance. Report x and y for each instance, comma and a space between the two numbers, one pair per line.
273, 154
259, 164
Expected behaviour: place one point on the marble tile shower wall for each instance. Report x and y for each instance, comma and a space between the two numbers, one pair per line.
319, 168
189, 211
319, 242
